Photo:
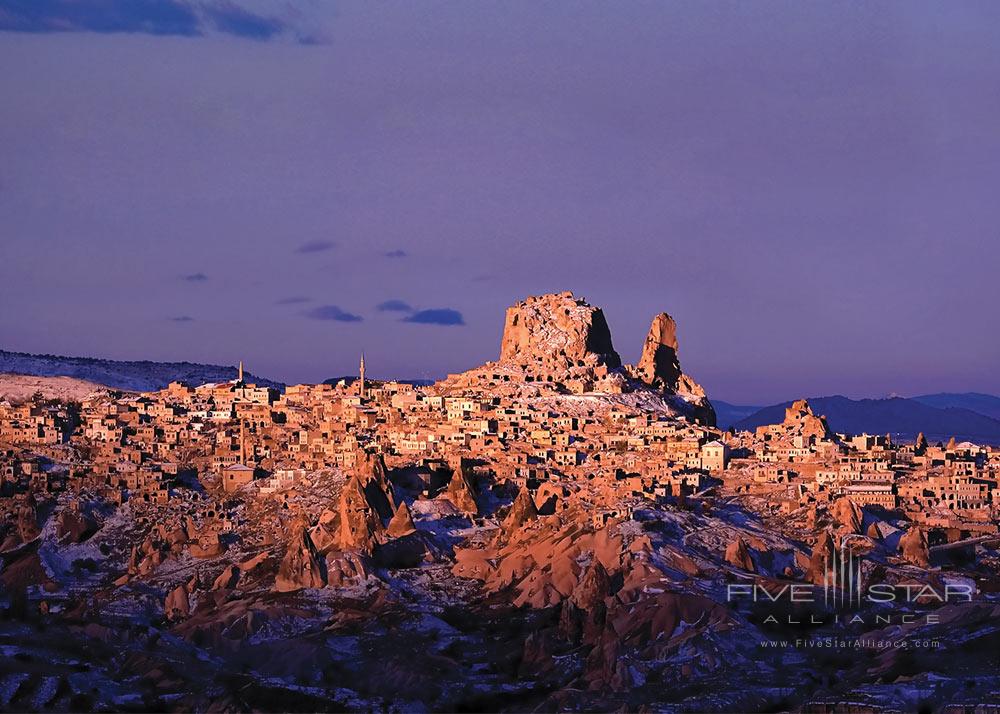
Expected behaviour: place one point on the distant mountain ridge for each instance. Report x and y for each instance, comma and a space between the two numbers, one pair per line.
727, 414
985, 404
138, 376
904, 418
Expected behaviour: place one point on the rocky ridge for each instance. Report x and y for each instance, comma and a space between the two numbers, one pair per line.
560, 344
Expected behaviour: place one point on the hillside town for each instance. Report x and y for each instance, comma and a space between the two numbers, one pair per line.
197, 492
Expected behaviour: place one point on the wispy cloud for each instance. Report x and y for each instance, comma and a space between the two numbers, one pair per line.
188, 18
182, 318
438, 316
394, 306
195, 278
315, 246
293, 300
331, 312
396, 254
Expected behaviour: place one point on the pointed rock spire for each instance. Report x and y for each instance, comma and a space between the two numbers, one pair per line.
521, 511
402, 522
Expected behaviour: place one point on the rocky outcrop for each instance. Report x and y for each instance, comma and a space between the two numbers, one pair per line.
177, 605
401, 523
346, 569
800, 419
913, 547
460, 490
374, 478
355, 524
846, 514
300, 567
521, 511
227, 579
824, 555
737, 554
360, 525
556, 332
74, 526
660, 368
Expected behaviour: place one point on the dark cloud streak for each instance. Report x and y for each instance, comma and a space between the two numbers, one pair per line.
332, 313
437, 316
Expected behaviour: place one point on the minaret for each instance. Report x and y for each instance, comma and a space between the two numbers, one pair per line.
240, 378
361, 375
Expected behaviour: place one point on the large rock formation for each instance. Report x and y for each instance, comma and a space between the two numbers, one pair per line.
800, 419
660, 368
558, 343
556, 332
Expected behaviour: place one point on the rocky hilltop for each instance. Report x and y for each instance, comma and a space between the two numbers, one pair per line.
557, 332
560, 344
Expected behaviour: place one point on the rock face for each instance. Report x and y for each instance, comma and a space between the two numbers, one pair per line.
913, 546
737, 554
521, 511
847, 514
660, 368
402, 522
800, 419
359, 523
300, 568
345, 569
73, 526
556, 332
177, 606
460, 490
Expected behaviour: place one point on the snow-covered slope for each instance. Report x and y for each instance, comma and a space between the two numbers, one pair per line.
18, 388
141, 376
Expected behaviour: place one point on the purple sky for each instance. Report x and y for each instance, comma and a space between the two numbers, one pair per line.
811, 190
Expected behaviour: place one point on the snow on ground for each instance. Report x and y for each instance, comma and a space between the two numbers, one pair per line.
141, 376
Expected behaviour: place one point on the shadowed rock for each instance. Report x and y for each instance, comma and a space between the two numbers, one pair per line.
737, 554
300, 568
913, 547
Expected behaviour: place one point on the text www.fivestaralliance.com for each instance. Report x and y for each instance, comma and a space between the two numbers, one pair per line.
848, 643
